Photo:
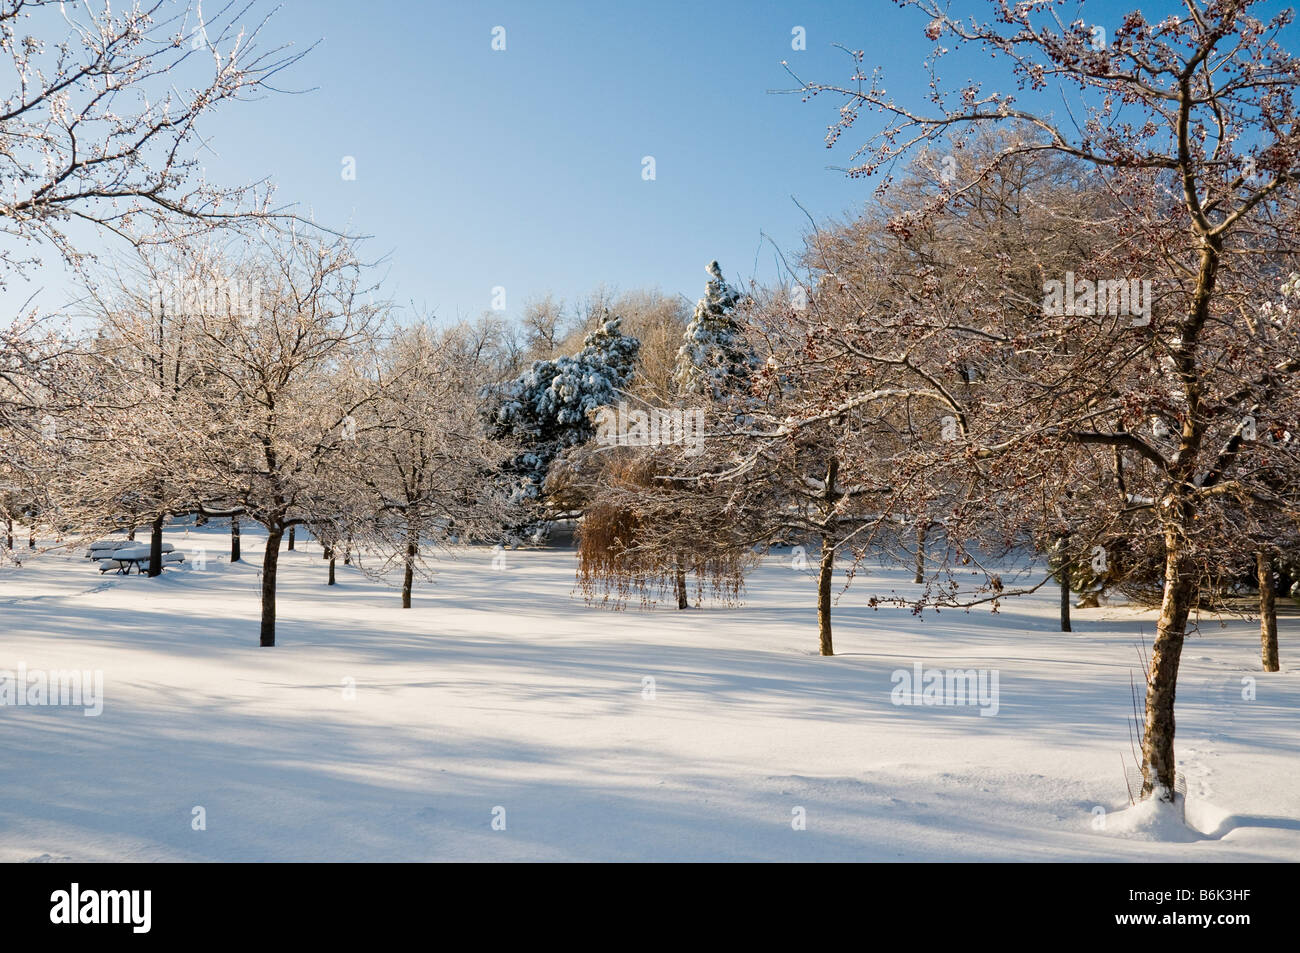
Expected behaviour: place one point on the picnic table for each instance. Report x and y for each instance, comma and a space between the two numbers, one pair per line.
121, 556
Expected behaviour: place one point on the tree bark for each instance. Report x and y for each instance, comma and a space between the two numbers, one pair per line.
679, 584
292, 534
1065, 598
1158, 765
826, 572
1267, 611
9, 533
825, 578
408, 575
1063, 577
269, 565
332, 581
1159, 769
155, 546
234, 539
922, 528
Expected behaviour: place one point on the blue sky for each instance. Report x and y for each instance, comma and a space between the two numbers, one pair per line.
522, 168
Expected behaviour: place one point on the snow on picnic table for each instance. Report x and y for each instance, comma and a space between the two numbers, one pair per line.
499, 689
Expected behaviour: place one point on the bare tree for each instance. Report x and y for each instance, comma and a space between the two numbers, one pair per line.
545, 327
284, 388
138, 422
423, 452
1191, 122
96, 127
100, 127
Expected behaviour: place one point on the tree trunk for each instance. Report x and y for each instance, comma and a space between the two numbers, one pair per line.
292, 534
269, 564
1267, 611
825, 578
31, 538
331, 568
408, 575
1159, 769
234, 539
1061, 567
922, 528
347, 553
130, 534
1158, 765
155, 546
1065, 598
679, 585
9, 533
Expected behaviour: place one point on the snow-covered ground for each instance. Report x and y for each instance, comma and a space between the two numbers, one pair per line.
501, 696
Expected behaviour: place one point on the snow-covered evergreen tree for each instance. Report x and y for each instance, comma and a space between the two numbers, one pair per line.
713, 357
548, 407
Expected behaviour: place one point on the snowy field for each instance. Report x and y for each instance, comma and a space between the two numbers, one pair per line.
500, 690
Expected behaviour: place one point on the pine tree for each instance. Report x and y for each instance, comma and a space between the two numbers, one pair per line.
713, 358
549, 407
